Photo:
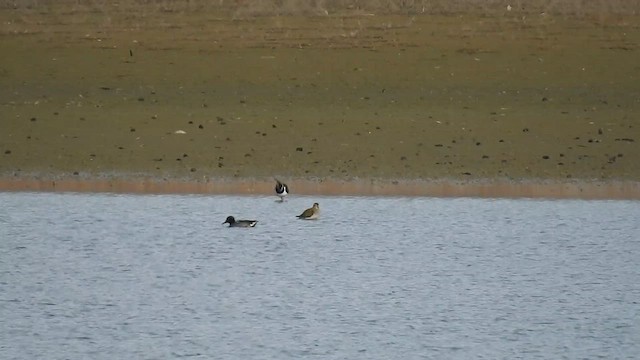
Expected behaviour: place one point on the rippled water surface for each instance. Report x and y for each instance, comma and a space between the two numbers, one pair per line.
159, 277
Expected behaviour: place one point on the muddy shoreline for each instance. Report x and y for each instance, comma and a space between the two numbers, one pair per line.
592, 190
386, 104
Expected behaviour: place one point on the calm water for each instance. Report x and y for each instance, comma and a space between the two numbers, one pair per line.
159, 277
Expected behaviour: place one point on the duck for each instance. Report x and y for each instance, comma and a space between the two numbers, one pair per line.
239, 223
311, 213
282, 189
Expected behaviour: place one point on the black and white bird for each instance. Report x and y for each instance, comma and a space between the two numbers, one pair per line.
239, 223
282, 189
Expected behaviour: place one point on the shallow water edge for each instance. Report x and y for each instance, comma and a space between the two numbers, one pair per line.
577, 189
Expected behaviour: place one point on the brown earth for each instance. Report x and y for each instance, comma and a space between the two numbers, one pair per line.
89, 95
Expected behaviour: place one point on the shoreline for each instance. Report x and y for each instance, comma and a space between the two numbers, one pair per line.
534, 189
385, 105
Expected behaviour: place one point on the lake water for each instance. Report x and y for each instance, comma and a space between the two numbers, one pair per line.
103, 276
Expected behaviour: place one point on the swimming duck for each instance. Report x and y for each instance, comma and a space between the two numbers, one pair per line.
239, 223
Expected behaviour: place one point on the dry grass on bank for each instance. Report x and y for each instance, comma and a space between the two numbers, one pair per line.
250, 8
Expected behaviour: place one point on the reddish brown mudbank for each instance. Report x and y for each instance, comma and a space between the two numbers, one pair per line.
487, 189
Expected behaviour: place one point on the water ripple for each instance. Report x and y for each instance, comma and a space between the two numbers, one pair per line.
119, 276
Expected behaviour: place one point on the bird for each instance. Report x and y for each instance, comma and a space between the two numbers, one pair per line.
239, 223
311, 213
281, 189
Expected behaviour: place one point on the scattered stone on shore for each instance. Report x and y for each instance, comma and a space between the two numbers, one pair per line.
423, 114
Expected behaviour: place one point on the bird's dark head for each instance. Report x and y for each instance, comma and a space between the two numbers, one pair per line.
230, 220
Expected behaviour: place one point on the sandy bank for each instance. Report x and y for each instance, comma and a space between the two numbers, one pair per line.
436, 188
545, 106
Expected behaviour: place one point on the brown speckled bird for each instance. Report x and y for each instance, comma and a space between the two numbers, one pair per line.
311, 213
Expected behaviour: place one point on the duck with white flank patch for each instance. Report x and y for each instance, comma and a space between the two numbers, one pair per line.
239, 223
281, 189
311, 213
